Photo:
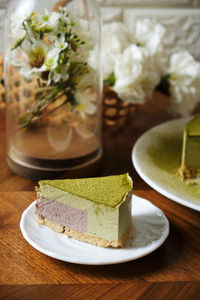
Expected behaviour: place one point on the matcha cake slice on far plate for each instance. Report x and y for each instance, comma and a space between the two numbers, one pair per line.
93, 210
190, 161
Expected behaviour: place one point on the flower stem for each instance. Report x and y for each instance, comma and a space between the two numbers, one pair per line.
44, 89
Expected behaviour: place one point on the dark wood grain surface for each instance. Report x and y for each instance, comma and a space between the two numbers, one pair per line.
171, 272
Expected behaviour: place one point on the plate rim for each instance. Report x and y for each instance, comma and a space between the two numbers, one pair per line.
151, 182
153, 247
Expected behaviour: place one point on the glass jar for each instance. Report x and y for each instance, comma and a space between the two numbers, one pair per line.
54, 88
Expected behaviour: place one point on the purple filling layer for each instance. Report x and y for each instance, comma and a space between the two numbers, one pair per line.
62, 214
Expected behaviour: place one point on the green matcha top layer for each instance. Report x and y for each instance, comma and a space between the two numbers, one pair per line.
109, 190
193, 127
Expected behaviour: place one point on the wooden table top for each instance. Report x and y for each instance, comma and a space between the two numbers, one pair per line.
170, 272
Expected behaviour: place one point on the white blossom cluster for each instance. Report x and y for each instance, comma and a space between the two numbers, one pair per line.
54, 47
136, 63
184, 80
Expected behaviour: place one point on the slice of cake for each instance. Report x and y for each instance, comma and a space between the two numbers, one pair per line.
93, 210
190, 162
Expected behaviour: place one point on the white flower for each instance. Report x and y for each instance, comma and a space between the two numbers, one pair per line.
64, 15
184, 82
50, 64
60, 73
136, 76
35, 52
46, 20
150, 35
87, 35
51, 60
35, 55
50, 19
56, 72
87, 80
115, 39
60, 43
17, 31
82, 28
84, 103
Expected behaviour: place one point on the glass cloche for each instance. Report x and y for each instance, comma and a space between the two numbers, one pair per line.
54, 87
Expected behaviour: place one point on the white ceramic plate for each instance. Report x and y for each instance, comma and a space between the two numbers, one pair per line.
156, 157
150, 227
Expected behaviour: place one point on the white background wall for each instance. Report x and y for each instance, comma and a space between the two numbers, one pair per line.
173, 3
181, 18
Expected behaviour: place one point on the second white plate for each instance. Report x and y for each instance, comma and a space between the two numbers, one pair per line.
157, 156
150, 228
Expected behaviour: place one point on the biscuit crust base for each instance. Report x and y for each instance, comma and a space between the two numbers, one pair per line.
185, 172
83, 237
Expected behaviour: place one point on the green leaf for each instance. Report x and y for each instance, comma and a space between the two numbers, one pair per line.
110, 80
3, 98
2, 81
71, 98
164, 85
18, 43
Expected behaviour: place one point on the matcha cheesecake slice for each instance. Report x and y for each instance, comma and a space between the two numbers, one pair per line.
190, 161
93, 210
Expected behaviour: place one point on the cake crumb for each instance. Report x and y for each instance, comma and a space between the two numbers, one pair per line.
185, 172
191, 183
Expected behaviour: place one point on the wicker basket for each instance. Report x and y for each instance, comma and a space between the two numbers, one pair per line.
116, 113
